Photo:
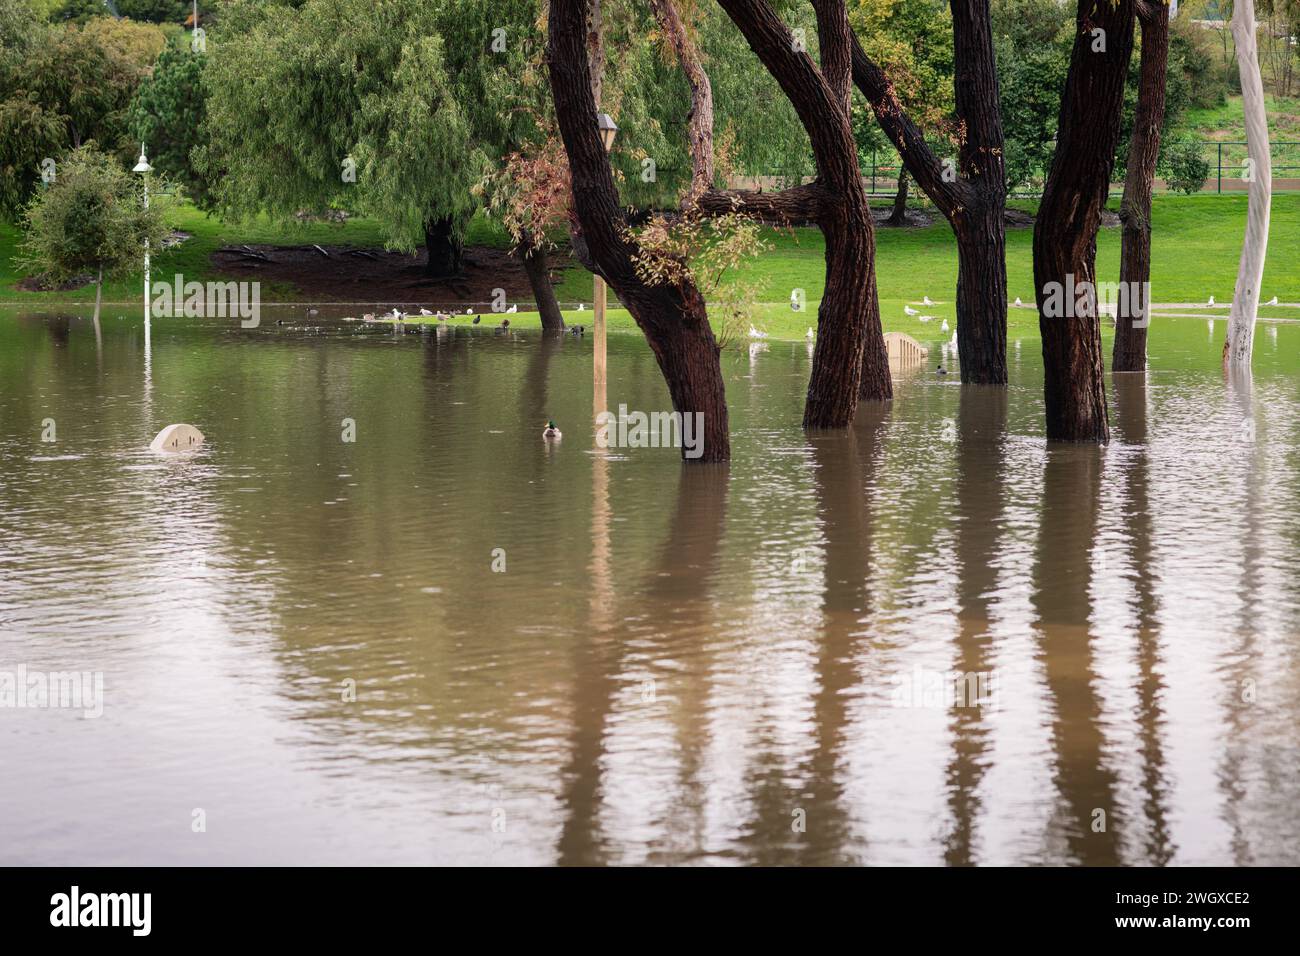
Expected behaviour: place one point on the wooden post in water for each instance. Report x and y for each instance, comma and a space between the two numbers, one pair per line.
598, 349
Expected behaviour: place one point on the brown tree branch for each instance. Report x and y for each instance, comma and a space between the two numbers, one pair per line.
906, 136
699, 123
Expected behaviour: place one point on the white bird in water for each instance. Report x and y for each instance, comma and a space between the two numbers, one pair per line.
1272, 301
755, 334
944, 327
810, 334
1018, 303
925, 300
1211, 302
911, 311
953, 343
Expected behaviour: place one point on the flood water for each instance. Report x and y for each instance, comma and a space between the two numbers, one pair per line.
566, 655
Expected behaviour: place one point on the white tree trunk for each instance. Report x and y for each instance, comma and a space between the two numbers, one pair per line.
1250, 272
99, 294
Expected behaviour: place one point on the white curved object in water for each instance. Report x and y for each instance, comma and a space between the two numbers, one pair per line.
179, 437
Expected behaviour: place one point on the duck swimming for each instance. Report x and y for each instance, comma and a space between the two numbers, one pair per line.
551, 433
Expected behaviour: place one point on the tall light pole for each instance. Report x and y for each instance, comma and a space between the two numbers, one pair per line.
143, 168
608, 130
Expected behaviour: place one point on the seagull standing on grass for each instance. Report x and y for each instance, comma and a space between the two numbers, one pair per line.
424, 311
810, 334
512, 310
1211, 302
1018, 303
908, 310
924, 318
925, 300
756, 334
581, 307
944, 327
1272, 301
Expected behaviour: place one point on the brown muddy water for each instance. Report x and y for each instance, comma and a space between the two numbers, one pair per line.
930, 640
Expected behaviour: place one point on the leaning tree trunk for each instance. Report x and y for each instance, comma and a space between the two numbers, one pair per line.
1065, 230
672, 316
443, 247
972, 195
1250, 271
1133, 314
532, 254
849, 358
899, 215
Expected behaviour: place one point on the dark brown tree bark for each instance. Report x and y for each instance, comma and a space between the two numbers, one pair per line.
1065, 230
1132, 317
971, 194
898, 217
672, 317
849, 358
531, 253
444, 250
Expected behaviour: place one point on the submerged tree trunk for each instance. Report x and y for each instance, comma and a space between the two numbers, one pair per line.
899, 215
1065, 230
1133, 310
1250, 271
443, 247
849, 358
99, 295
971, 193
532, 255
672, 316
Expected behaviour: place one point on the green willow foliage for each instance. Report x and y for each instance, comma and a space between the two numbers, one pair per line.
411, 91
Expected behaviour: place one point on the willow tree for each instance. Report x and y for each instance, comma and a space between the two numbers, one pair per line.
1259, 173
1069, 215
1133, 312
672, 315
395, 110
969, 191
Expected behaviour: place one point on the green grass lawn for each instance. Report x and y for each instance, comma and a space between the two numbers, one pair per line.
1197, 241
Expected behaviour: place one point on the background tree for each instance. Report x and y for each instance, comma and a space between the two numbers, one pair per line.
90, 220
62, 87
353, 105
168, 112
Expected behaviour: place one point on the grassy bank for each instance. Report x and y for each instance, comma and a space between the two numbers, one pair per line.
1197, 240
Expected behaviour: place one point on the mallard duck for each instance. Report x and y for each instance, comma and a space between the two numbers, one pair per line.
551, 433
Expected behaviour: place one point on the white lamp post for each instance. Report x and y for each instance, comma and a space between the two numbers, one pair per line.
143, 168
607, 128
